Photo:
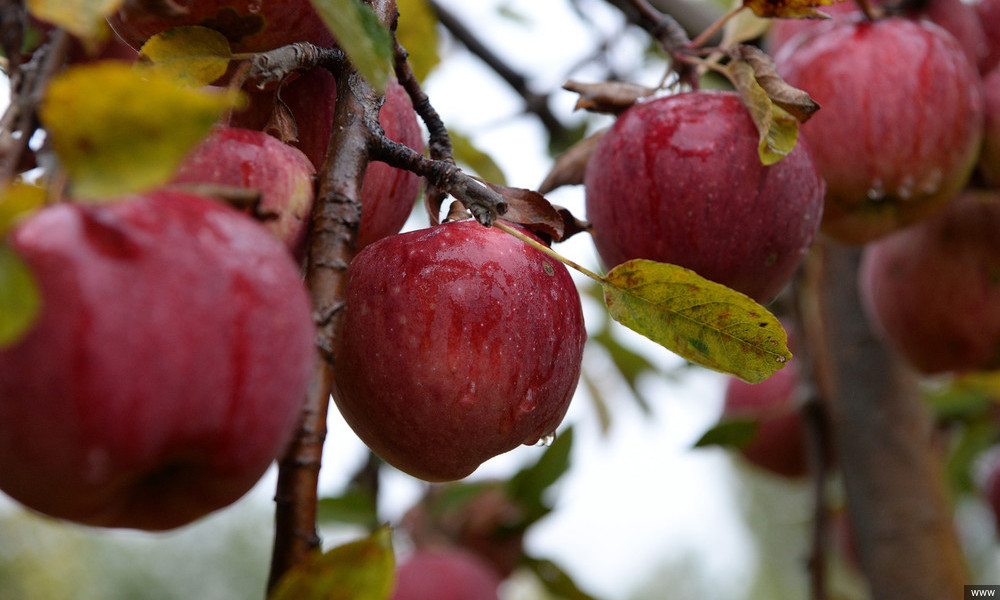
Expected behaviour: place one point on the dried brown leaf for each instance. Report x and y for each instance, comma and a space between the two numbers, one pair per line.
794, 101
531, 209
611, 97
571, 165
787, 8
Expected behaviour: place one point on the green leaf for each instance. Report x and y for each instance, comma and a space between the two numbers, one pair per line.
466, 153
116, 131
20, 300
730, 433
360, 570
85, 19
354, 507
974, 440
417, 32
360, 34
194, 56
556, 580
702, 321
528, 485
18, 201
630, 364
777, 128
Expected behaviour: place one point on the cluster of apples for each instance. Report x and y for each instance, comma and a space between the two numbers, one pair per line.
176, 339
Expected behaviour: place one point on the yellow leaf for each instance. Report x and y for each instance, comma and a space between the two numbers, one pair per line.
18, 201
360, 570
194, 55
116, 131
417, 32
702, 321
787, 8
83, 18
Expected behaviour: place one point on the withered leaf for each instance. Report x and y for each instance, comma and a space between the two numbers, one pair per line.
611, 97
531, 209
571, 165
794, 101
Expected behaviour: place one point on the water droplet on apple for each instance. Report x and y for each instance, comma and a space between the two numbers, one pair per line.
254, 6
905, 189
932, 183
546, 440
877, 191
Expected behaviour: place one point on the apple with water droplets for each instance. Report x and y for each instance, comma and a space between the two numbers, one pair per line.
901, 121
459, 342
445, 574
933, 290
257, 162
679, 180
167, 368
248, 25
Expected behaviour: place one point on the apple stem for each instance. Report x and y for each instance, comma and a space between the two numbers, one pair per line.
549, 251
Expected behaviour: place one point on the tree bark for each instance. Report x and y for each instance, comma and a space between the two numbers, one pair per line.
883, 438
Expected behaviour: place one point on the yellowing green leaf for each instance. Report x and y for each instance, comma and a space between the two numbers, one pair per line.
360, 570
417, 32
360, 34
195, 55
778, 130
468, 154
19, 297
117, 131
786, 8
731, 433
83, 18
17, 201
702, 321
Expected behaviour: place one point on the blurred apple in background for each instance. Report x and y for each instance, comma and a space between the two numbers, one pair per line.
901, 122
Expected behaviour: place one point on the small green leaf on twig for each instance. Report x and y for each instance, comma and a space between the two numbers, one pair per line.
365, 40
194, 56
417, 32
360, 570
702, 321
20, 300
731, 433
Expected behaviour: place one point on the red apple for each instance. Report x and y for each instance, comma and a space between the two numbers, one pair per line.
445, 575
255, 161
778, 445
989, 158
388, 194
459, 343
954, 16
679, 180
901, 121
989, 16
168, 366
933, 289
249, 25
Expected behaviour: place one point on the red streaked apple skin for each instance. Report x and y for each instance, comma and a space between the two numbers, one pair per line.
168, 366
989, 16
256, 161
445, 574
679, 180
933, 289
900, 126
778, 445
249, 25
459, 343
